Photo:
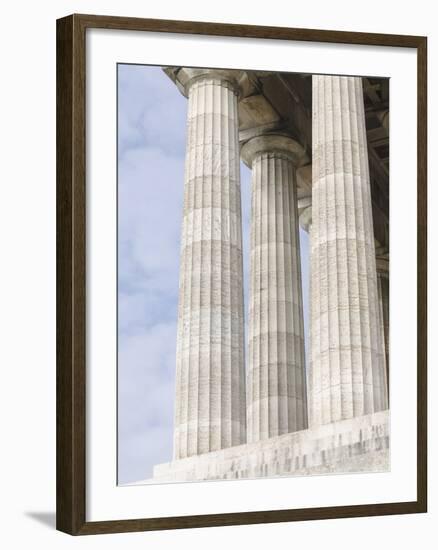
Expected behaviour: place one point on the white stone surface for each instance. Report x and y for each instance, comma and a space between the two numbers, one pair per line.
348, 377
210, 375
276, 378
359, 444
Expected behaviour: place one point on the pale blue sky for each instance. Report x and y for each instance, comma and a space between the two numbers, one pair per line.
151, 148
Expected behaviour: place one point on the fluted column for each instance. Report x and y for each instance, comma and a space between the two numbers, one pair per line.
347, 364
382, 265
276, 377
210, 375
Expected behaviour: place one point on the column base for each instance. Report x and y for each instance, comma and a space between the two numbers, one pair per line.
358, 444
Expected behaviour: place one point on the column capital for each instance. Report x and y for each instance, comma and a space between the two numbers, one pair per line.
382, 266
305, 213
273, 143
185, 77
304, 194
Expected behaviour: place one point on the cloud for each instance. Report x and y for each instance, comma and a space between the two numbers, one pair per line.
151, 110
140, 453
150, 192
145, 400
150, 211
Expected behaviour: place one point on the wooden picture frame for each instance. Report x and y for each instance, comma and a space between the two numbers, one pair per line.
71, 274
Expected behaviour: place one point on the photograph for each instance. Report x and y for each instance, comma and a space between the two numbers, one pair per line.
252, 274
218, 237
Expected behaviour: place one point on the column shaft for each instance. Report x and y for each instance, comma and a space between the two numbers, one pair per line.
347, 364
210, 376
276, 378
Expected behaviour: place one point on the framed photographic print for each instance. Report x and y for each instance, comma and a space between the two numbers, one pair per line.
241, 274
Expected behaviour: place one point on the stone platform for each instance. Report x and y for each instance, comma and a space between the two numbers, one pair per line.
359, 444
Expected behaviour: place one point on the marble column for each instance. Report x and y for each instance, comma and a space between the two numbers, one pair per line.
276, 377
382, 265
347, 363
210, 408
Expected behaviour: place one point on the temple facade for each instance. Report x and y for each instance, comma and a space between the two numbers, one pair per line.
317, 147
